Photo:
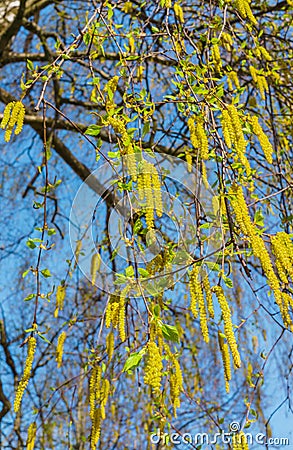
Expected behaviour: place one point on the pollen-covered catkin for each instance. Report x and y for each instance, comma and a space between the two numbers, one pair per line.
31, 436
209, 297
283, 250
59, 348
195, 290
13, 116
153, 368
228, 326
258, 247
239, 441
31, 349
263, 139
178, 12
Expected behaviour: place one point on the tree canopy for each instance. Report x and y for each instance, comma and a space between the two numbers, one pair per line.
147, 224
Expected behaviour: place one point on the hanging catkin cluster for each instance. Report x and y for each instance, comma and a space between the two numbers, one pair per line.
99, 390
263, 139
282, 247
149, 191
239, 441
243, 7
119, 127
233, 79
233, 134
13, 116
31, 436
197, 304
260, 81
153, 368
258, 247
31, 348
59, 348
228, 326
198, 136
115, 312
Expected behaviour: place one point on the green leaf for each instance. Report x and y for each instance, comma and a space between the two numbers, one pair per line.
29, 297
228, 282
137, 226
170, 333
157, 311
93, 130
129, 271
46, 273
143, 272
25, 273
44, 339
132, 361
29, 64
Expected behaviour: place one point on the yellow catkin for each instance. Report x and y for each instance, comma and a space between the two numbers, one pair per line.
13, 115
216, 56
59, 348
249, 13
203, 317
262, 86
192, 131
228, 326
253, 73
233, 78
122, 332
244, 9
60, 296
283, 250
149, 190
96, 429
198, 136
153, 368
7, 114
227, 127
120, 128
265, 53
178, 12
224, 348
195, 290
258, 247
263, 139
31, 436
209, 296
227, 41
239, 441
110, 341
104, 397
95, 266
31, 349
150, 205
157, 192
112, 311
176, 384
188, 158
239, 140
